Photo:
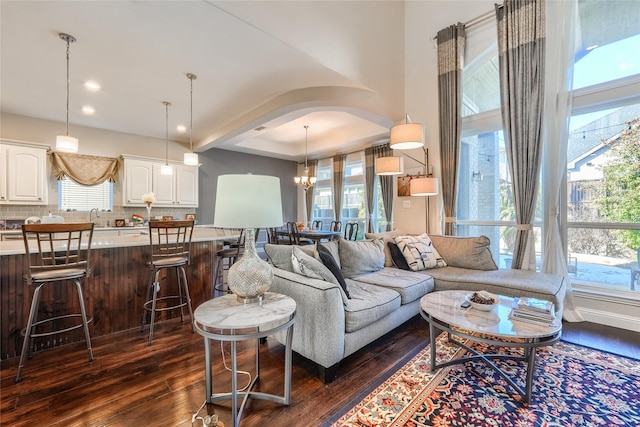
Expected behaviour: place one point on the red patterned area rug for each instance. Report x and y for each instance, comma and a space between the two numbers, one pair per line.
573, 386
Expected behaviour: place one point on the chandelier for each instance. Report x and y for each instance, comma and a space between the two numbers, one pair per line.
305, 181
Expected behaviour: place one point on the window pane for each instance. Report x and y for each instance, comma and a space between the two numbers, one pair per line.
75, 197
603, 201
481, 86
484, 181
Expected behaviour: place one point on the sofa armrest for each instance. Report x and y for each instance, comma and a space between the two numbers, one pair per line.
319, 328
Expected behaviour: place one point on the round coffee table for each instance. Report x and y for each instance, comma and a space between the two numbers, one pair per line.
442, 310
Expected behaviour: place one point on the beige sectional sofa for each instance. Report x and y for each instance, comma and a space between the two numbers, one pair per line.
339, 312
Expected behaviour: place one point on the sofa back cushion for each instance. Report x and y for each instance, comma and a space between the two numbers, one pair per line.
359, 257
386, 238
465, 252
419, 252
280, 255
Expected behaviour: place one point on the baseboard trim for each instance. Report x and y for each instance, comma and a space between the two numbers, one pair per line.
610, 319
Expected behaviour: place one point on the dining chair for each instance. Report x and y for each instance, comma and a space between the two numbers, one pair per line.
351, 231
335, 226
170, 248
294, 235
55, 253
316, 225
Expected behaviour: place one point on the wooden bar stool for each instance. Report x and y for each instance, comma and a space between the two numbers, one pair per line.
56, 253
170, 244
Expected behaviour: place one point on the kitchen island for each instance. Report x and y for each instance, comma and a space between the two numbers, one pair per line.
114, 292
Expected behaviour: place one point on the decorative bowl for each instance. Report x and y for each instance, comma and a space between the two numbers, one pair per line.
478, 302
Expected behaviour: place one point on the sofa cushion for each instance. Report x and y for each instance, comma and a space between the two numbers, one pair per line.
386, 238
280, 255
419, 252
358, 257
465, 252
330, 262
332, 246
368, 304
410, 285
398, 259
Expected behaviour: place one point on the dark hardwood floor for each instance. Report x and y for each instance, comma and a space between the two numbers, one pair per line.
131, 384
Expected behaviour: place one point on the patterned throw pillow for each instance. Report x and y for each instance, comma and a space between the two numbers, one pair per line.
419, 252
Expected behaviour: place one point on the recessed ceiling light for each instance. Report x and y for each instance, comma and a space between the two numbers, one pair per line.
88, 110
181, 128
92, 86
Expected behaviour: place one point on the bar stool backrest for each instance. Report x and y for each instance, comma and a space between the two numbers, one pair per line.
170, 240
57, 251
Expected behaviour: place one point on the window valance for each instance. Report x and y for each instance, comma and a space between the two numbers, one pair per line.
83, 169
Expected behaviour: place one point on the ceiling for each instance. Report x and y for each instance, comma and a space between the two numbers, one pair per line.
264, 70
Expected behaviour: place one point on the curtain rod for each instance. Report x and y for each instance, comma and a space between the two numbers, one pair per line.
475, 21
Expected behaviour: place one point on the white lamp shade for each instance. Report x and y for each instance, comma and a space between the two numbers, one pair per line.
191, 159
248, 201
166, 170
389, 165
406, 136
424, 186
66, 144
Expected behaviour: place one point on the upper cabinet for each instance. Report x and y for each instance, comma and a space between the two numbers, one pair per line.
23, 174
179, 189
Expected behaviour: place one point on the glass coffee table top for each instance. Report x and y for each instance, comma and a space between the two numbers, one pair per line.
445, 306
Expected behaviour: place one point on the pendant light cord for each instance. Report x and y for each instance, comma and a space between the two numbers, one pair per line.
191, 78
68, 86
166, 152
306, 145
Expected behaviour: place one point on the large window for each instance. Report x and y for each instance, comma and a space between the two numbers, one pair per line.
354, 201
75, 197
602, 211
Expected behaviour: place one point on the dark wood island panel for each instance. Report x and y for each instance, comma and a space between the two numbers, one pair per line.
114, 294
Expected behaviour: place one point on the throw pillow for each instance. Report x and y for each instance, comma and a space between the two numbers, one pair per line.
398, 259
308, 266
419, 252
465, 252
329, 261
386, 237
332, 246
358, 257
280, 255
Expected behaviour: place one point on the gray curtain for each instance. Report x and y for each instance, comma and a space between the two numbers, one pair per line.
386, 184
521, 49
451, 42
308, 195
338, 183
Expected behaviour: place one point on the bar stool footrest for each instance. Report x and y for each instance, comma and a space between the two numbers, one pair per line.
23, 332
183, 302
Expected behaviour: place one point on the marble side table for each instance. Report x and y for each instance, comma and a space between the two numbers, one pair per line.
220, 319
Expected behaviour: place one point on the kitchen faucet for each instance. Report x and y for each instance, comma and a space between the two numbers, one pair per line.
91, 213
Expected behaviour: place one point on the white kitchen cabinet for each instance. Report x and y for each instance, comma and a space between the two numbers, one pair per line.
186, 186
138, 176
164, 187
23, 175
179, 189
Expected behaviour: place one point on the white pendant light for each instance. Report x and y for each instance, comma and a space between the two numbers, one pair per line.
407, 135
305, 181
66, 143
191, 158
166, 169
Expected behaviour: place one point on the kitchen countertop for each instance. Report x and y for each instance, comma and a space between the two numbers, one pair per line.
103, 240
